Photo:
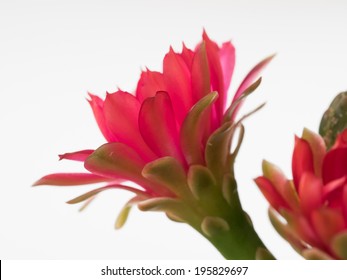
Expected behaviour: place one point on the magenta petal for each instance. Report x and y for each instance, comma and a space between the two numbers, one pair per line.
302, 160
150, 82
158, 126
227, 60
216, 73
178, 79
97, 105
70, 179
78, 156
121, 111
310, 192
335, 165
251, 77
200, 74
187, 55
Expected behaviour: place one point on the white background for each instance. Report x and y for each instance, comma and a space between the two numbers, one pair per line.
53, 52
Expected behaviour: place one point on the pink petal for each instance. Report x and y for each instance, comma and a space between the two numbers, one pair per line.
70, 179
121, 110
187, 55
78, 156
227, 59
310, 193
216, 73
270, 193
178, 80
201, 85
158, 126
97, 105
327, 223
302, 160
251, 77
335, 164
150, 82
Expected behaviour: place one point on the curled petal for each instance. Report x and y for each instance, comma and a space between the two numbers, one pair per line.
193, 129
168, 172
70, 179
302, 160
78, 156
251, 77
217, 150
124, 213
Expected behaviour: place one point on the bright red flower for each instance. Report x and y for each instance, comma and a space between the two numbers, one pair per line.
314, 203
174, 123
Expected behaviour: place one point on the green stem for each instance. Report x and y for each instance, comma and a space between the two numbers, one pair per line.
219, 217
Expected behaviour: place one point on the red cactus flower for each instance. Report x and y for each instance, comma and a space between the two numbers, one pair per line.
314, 203
173, 132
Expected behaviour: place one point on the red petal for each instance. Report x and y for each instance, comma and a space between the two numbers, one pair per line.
318, 149
70, 179
335, 165
158, 126
121, 111
150, 82
310, 192
227, 59
270, 193
251, 77
201, 85
78, 156
344, 203
341, 140
327, 222
178, 79
97, 105
303, 228
216, 73
187, 56
302, 160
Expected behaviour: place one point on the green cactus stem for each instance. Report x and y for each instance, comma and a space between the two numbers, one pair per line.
334, 119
